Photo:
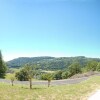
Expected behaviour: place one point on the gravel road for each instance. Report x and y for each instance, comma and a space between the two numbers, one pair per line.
53, 82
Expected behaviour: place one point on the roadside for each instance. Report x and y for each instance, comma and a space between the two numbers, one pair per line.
95, 96
73, 80
53, 82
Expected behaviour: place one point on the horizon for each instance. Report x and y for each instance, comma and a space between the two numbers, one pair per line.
58, 28
50, 56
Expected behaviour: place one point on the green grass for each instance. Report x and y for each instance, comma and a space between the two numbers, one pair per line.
9, 76
64, 92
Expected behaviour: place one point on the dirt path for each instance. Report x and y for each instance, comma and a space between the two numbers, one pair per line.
95, 96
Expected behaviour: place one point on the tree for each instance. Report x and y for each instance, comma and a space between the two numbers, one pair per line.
30, 72
91, 66
22, 75
98, 67
26, 74
3, 67
73, 69
57, 75
65, 75
48, 77
12, 80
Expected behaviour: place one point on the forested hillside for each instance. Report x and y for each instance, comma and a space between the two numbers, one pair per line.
50, 63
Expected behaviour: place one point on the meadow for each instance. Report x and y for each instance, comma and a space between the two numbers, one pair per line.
80, 91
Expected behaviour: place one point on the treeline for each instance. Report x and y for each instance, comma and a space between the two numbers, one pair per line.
73, 69
3, 67
28, 72
50, 63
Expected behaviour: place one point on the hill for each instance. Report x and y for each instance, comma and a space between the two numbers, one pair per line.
50, 63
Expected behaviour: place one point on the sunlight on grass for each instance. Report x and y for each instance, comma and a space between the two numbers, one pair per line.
64, 92
9, 75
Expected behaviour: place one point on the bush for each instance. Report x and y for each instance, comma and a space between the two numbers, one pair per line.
57, 75
73, 69
22, 75
65, 75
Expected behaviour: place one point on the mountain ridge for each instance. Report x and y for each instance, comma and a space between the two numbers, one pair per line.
50, 63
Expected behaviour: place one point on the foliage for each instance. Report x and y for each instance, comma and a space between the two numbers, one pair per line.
25, 73
57, 75
91, 66
51, 63
68, 66
22, 75
98, 67
26, 60
12, 70
65, 75
73, 69
3, 67
46, 76
12, 80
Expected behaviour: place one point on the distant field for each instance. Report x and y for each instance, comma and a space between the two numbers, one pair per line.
64, 92
48, 71
9, 75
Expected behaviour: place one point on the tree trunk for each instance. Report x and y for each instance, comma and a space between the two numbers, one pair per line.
30, 83
12, 83
48, 83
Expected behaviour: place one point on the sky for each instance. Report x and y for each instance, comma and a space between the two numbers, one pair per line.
58, 28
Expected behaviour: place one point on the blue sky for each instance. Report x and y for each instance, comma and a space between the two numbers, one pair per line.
49, 28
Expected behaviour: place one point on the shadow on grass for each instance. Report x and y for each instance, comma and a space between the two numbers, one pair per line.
35, 88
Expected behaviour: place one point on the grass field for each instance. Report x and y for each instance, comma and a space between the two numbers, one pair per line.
65, 92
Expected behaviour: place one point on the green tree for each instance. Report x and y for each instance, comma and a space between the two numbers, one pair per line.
26, 74
98, 67
12, 80
3, 67
57, 75
48, 77
22, 75
91, 66
30, 72
65, 75
73, 69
